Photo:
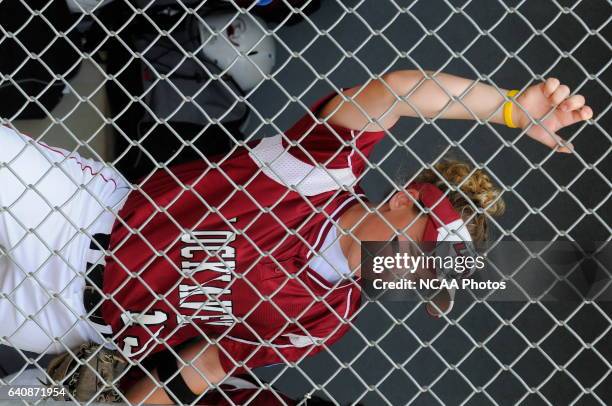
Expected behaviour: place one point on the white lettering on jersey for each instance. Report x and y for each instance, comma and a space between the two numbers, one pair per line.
186, 291
217, 250
205, 295
208, 237
158, 317
214, 320
209, 241
191, 268
210, 254
130, 342
224, 306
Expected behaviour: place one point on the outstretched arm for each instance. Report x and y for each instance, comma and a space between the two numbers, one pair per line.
382, 102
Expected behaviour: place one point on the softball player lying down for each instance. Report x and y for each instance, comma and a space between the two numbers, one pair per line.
229, 252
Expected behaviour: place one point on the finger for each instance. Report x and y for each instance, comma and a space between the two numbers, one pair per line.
565, 147
550, 86
586, 113
582, 114
573, 103
559, 95
554, 141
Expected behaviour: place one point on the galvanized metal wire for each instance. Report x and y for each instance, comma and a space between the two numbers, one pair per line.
474, 392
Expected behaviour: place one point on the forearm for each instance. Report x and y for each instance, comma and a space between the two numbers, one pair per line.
409, 93
444, 96
206, 368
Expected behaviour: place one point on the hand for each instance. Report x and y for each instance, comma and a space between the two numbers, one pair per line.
538, 100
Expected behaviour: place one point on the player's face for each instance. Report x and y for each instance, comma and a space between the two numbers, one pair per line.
398, 218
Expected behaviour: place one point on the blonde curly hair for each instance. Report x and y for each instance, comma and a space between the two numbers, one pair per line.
478, 188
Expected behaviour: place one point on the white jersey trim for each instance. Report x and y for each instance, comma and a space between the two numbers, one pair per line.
297, 341
454, 231
348, 304
309, 180
328, 222
330, 263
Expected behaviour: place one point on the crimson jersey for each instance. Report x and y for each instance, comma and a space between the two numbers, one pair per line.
221, 250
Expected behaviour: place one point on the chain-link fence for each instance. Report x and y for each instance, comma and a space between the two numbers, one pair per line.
181, 195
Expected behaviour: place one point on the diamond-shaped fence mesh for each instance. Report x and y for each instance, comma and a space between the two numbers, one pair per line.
188, 185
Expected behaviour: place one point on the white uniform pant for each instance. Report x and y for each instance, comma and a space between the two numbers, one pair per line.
47, 197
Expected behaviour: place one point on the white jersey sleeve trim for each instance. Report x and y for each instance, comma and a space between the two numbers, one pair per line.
309, 180
348, 304
296, 341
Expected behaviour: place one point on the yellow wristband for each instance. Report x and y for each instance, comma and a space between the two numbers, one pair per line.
508, 109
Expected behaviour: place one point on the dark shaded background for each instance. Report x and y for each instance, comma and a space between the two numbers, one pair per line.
501, 353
